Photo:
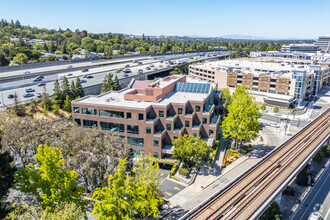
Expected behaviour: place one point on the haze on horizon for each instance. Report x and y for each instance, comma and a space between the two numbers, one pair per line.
213, 18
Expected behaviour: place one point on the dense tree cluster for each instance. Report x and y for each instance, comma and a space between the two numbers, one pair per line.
69, 42
242, 121
110, 85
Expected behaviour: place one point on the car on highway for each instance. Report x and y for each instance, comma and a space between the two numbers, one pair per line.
39, 95
151, 65
127, 70
118, 71
83, 80
168, 65
135, 61
140, 63
88, 76
148, 68
41, 84
127, 66
160, 66
84, 70
30, 90
27, 95
11, 96
124, 74
26, 72
38, 78
161, 61
69, 67
155, 58
140, 71
70, 74
155, 68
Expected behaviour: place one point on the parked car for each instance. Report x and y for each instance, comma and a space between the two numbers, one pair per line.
41, 84
69, 67
11, 96
83, 81
27, 95
84, 70
30, 90
39, 95
88, 76
140, 71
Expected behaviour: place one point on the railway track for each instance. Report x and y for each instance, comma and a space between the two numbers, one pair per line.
243, 197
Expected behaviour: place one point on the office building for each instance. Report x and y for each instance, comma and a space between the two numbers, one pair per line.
323, 43
274, 81
311, 48
149, 115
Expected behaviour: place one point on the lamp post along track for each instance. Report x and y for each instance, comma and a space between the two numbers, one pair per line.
243, 196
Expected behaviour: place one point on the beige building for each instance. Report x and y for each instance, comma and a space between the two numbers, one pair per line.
274, 81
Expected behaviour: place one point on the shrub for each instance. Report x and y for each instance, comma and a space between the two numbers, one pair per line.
183, 171
276, 109
173, 169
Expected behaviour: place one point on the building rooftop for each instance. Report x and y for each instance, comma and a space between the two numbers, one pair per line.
201, 91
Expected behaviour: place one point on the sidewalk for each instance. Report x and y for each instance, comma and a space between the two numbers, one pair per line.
205, 185
283, 114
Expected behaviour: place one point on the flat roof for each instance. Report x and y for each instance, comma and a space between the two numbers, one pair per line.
116, 98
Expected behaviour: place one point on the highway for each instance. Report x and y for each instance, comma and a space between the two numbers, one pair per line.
251, 193
19, 86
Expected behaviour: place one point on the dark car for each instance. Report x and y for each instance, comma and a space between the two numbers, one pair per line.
118, 71
30, 90
41, 84
39, 78
88, 76
11, 96
148, 68
39, 95
140, 63
84, 70
27, 95
126, 66
83, 81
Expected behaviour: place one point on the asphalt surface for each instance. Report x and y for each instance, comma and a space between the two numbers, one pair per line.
317, 200
168, 186
98, 73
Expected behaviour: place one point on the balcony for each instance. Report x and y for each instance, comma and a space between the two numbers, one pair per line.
178, 129
172, 117
151, 120
208, 108
190, 114
197, 127
167, 149
160, 132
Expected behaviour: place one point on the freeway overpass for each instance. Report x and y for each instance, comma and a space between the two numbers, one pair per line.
97, 70
249, 195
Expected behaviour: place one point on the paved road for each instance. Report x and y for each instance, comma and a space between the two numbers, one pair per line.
317, 200
98, 73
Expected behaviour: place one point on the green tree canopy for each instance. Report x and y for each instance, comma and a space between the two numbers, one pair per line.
20, 58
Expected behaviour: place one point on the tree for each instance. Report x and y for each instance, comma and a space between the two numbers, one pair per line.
49, 183
189, 151
73, 90
272, 212
67, 104
44, 111
7, 171
126, 195
242, 120
3, 60
65, 87
107, 85
93, 153
79, 89
56, 108
176, 71
263, 107
116, 85
226, 95
46, 101
20, 59
62, 211
276, 109
57, 96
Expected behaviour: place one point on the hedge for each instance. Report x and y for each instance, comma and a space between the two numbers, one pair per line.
167, 162
183, 171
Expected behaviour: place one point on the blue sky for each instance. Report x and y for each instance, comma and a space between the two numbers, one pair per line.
262, 18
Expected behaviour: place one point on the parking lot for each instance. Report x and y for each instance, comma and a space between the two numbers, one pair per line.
169, 186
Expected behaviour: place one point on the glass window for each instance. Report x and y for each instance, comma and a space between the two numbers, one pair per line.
148, 130
89, 111
133, 129
198, 108
128, 115
211, 133
156, 143
108, 126
76, 110
187, 123
140, 117
89, 123
113, 114
175, 137
139, 142
204, 120
156, 154
161, 114
168, 127
180, 111
78, 121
